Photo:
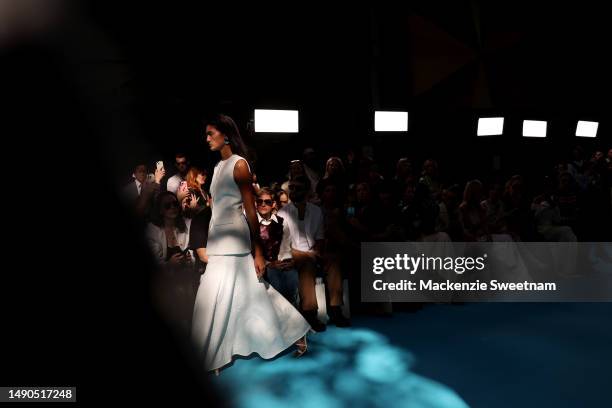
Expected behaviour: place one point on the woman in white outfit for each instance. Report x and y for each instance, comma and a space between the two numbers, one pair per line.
236, 312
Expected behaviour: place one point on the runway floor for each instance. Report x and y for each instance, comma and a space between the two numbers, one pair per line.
448, 356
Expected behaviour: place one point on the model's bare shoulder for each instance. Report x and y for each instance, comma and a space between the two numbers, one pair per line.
242, 172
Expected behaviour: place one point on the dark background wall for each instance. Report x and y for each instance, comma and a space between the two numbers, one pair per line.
444, 62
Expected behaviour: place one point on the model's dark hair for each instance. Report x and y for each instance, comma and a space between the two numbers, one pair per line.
226, 126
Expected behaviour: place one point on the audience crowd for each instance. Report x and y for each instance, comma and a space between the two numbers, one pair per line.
313, 221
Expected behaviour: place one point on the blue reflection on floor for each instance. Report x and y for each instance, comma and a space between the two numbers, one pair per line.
512, 355
488, 355
355, 367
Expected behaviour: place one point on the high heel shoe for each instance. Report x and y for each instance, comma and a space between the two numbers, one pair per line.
302, 347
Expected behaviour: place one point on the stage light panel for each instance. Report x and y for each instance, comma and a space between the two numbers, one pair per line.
385, 121
534, 128
490, 126
276, 121
586, 128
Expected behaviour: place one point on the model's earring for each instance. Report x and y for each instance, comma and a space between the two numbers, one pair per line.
226, 140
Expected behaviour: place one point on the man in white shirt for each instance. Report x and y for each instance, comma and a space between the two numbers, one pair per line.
304, 222
182, 167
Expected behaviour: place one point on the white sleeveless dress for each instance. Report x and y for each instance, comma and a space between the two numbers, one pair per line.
235, 313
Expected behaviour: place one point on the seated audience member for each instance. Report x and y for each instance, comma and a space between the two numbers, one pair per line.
596, 211
560, 167
473, 214
403, 176
406, 195
362, 215
256, 185
494, 209
420, 215
576, 163
275, 241
548, 219
297, 169
430, 177
311, 166
567, 198
517, 210
334, 174
448, 216
168, 237
339, 244
334, 170
282, 199
386, 224
305, 223
182, 166
407, 207
168, 230
368, 172
351, 166
597, 155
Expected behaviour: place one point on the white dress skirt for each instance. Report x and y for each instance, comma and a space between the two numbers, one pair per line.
237, 314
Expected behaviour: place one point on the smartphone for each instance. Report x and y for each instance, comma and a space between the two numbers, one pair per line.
350, 211
159, 165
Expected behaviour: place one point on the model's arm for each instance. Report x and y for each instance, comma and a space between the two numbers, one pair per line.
242, 176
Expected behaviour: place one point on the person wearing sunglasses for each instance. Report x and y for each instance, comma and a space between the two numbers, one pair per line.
236, 312
168, 238
181, 163
275, 242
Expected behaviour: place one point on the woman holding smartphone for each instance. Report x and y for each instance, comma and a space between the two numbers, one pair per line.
168, 237
236, 312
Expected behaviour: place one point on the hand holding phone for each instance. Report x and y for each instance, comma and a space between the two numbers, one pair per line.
160, 172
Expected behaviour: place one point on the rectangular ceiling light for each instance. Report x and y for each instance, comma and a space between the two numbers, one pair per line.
276, 121
490, 126
385, 121
534, 128
586, 129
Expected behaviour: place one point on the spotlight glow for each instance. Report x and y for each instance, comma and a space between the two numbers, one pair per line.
385, 121
490, 126
276, 121
586, 128
534, 128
